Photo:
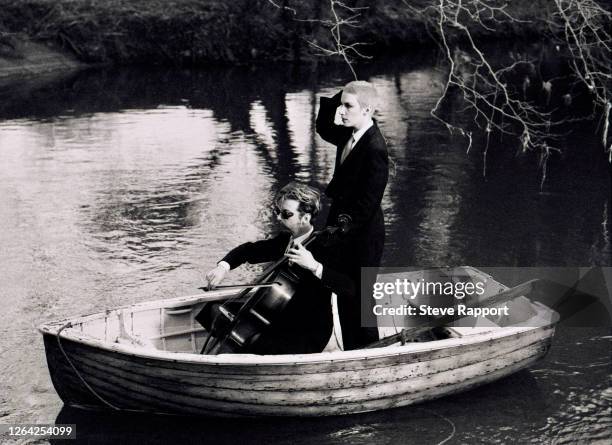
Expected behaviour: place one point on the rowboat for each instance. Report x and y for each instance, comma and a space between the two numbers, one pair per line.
145, 358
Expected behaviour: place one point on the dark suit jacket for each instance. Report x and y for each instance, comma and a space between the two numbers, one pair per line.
357, 186
356, 189
305, 325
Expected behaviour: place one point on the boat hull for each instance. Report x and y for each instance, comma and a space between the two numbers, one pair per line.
88, 375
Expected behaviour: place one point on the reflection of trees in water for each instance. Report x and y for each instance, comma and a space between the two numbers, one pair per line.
147, 222
442, 211
151, 220
227, 92
419, 203
438, 195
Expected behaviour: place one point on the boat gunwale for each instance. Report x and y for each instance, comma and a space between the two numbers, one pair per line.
297, 359
546, 317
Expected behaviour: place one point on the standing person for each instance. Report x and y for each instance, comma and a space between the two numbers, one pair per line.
305, 324
356, 190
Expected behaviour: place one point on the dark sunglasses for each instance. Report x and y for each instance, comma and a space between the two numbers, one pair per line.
285, 214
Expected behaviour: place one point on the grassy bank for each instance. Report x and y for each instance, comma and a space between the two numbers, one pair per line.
197, 32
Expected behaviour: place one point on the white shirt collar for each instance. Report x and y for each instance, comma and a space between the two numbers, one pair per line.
303, 237
357, 134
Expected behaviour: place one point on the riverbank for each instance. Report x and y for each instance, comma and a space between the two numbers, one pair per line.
201, 32
20, 57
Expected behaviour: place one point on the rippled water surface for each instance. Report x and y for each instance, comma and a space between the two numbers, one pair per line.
123, 186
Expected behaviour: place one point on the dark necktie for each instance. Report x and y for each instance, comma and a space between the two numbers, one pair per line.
347, 149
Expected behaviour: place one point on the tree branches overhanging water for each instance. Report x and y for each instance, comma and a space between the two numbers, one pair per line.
501, 97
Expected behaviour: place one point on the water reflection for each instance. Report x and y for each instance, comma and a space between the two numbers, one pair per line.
264, 121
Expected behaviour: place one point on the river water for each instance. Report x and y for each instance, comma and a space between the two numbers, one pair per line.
121, 186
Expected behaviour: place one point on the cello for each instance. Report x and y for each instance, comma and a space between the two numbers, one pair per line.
234, 332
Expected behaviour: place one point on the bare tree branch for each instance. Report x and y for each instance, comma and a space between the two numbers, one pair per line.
579, 27
341, 16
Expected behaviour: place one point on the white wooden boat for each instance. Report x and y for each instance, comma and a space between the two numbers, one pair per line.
95, 363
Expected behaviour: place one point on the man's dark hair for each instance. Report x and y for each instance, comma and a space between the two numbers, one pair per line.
308, 197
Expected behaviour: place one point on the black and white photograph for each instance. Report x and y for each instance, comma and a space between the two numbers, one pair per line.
306, 222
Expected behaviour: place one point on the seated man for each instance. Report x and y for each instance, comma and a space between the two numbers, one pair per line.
305, 324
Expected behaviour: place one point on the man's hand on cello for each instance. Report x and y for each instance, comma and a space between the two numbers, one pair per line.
301, 256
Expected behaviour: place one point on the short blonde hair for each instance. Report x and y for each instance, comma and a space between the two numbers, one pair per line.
367, 95
308, 197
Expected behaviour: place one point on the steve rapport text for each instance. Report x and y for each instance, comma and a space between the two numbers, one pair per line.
424, 309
